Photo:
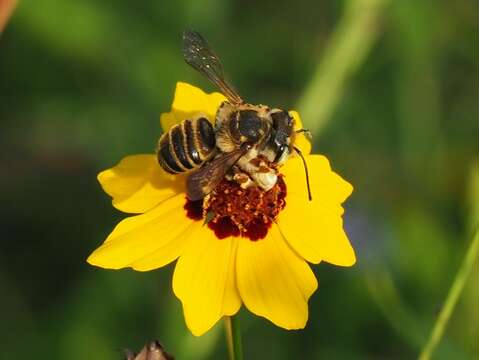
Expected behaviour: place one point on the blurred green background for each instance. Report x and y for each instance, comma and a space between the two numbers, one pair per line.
82, 84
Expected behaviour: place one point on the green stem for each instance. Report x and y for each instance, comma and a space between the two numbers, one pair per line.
345, 52
451, 300
233, 338
387, 296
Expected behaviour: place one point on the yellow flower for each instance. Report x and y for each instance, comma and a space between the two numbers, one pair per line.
218, 271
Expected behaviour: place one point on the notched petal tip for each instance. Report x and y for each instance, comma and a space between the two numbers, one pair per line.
274, 282
343, 186
204, 280
343, 256
350, 262
315, 228
328, 186
135, 241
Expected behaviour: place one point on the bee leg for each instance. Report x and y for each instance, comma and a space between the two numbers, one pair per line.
266, 178
258, 170
243, 180
262, 174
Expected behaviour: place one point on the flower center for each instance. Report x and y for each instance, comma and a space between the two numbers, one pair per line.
231, 210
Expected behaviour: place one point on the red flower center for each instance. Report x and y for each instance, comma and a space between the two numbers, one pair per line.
233, 211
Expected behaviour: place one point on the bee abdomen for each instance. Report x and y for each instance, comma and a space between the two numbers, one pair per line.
165, 156
206, 137
186, 145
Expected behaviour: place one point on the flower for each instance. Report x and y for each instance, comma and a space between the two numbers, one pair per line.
219, 267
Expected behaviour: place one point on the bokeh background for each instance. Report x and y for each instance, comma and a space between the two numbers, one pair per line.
391, 92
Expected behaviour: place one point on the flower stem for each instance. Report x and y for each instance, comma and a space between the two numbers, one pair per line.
233, 338
451, 300
346, 51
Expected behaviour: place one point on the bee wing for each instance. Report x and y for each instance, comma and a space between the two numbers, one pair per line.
198, 54
202, 181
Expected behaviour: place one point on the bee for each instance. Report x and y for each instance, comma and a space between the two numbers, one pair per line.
187, 145
247, 143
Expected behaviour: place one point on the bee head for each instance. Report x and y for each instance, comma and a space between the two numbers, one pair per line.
282, 134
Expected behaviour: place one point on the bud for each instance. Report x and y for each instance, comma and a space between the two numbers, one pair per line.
151, 351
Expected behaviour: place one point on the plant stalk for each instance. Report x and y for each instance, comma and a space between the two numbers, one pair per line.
347, 49
233, 337
452, 297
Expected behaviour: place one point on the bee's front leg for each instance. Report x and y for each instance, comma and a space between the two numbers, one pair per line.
257, 170
264, 176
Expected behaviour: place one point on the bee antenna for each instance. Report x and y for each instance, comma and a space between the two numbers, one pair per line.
306, 131
305, 171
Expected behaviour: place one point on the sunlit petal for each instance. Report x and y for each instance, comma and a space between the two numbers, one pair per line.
189, 101
315, 228
137, 183
148, 241
273, 281
204, 280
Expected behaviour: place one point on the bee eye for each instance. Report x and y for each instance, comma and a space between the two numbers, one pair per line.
281, 155
290, 121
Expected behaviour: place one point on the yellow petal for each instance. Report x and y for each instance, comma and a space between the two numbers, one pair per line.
137, 183
168, 120
148, 241
188, 102
204, 280
315, 228
273, 281
301, 140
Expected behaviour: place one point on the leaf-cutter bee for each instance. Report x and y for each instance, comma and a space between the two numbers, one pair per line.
247, 143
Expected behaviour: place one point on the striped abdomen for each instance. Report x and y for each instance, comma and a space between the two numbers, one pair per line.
186, 145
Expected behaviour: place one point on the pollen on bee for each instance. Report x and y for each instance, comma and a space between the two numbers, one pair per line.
241, 212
